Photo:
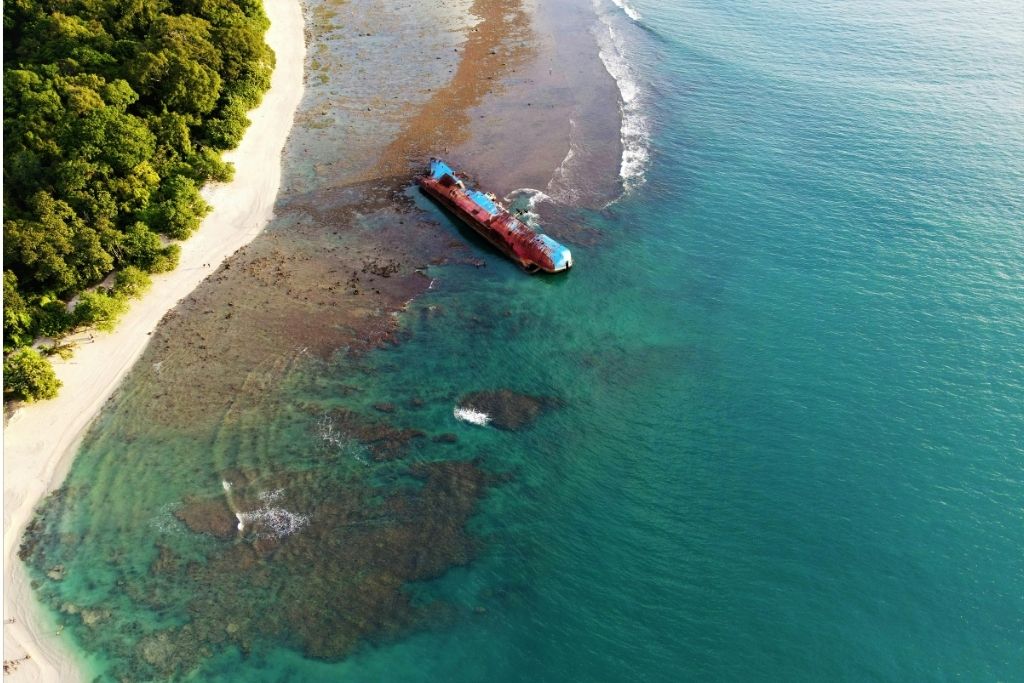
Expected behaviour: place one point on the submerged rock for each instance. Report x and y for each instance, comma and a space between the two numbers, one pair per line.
508, 409
165, 561
159, 651
208, 516
91, 617
384, 441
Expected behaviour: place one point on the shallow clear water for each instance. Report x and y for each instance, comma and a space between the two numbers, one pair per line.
790, 372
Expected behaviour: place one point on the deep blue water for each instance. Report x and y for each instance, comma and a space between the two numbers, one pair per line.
791, 444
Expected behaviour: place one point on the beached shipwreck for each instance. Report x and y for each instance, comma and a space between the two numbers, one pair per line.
485, 214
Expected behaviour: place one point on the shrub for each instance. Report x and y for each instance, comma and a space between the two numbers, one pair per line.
180, 209
207, 164
167, 260
29, 376
131, 282
100, 310
17, 315
51, 316
65, 351
140, 246
226, 131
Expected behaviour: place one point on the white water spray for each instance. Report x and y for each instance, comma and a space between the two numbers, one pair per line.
472, 416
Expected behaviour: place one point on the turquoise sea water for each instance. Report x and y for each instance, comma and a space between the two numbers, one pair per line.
791, 372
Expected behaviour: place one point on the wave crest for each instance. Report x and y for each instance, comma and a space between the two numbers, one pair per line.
630, 11
635, 133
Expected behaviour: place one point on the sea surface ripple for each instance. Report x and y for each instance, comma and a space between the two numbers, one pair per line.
784, 428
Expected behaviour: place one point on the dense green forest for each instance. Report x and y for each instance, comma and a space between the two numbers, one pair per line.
115, 113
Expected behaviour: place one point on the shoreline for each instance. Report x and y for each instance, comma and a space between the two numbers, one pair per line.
40, 439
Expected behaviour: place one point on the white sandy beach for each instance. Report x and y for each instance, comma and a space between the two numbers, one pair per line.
41, 439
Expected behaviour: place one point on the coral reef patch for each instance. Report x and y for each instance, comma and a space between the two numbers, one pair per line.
336, 555
507, 409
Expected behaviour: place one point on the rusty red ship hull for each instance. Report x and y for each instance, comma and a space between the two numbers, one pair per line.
482, 212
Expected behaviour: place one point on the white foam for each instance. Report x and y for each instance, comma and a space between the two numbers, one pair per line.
271, 496
527, 214
635, 135
630, 12
472, 416
340, 442
535, 196
277, 520
561, 184
165, 522
538, 196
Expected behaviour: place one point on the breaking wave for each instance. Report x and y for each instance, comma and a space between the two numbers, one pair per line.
630, 12
472, 416
635, 134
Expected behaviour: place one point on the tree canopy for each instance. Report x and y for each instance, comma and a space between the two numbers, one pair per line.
115, 113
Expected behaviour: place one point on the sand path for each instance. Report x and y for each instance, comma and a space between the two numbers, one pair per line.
40, 439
